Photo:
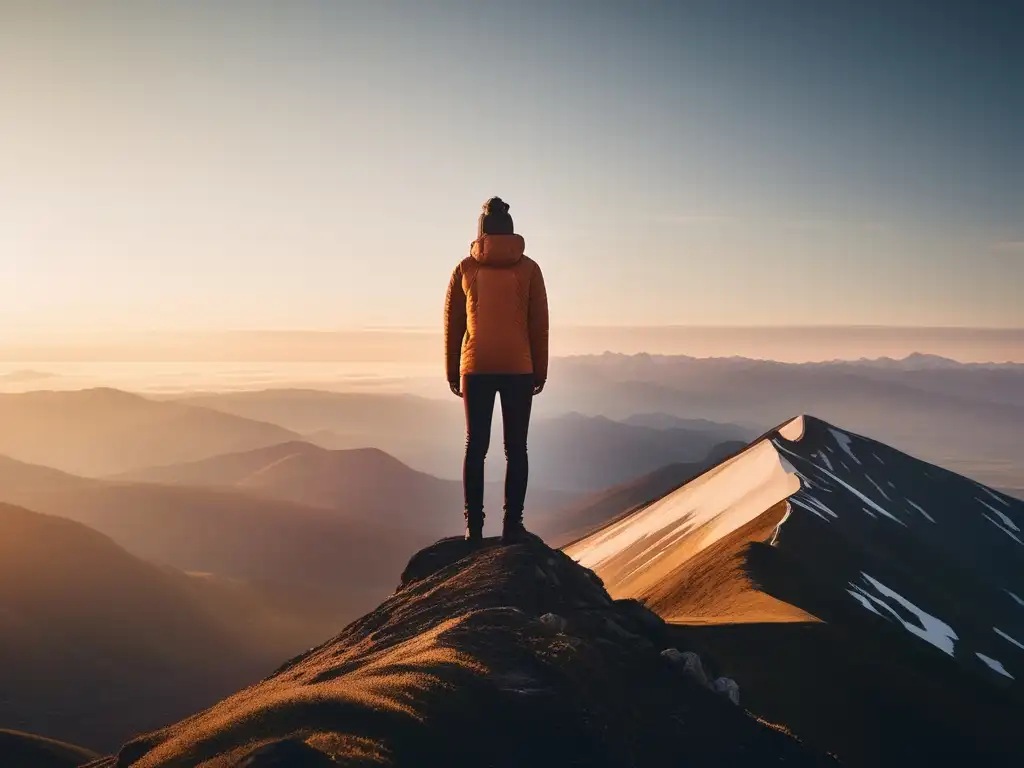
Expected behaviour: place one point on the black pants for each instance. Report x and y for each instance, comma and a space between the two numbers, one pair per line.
478, 392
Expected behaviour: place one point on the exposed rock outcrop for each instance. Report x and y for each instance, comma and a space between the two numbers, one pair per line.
497, 656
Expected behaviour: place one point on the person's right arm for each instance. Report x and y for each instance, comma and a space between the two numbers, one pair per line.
454, 329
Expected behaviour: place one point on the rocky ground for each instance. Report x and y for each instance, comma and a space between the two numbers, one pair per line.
489, 656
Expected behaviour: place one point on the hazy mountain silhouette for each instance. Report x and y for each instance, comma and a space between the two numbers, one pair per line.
425, 433
233, 533
591, 453
667, 421
25, 750
18, 476
103, 431
364, 484
967, 418
339, 521
568, 451
886, 579
97, 644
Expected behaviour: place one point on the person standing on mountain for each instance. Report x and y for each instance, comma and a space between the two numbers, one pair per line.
496, 344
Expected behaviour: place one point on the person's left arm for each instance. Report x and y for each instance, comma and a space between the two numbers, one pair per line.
454, 329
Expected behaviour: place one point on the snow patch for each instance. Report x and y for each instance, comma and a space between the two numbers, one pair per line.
993, 664
824, 459
1005, 636
844, 442
863, 600
1003, 528
1006, 521
929, 628
858, 494
878, 487
915, 506
814, 505
1005, 502
808, 507
853, 491
785, 517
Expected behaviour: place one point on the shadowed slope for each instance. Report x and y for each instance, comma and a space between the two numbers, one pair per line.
17, 476
362, 483
872, 702
96, 645
459, 668
235, 533
25, 750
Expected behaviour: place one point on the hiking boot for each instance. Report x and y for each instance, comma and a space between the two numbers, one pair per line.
475, 528
512, 529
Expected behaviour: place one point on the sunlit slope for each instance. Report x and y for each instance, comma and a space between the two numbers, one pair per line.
636, 553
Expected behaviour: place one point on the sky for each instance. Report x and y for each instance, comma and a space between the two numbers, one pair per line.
320, 165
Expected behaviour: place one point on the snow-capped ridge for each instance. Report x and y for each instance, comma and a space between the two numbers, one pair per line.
873, 508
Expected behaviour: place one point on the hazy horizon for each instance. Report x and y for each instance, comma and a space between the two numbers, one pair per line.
410, 361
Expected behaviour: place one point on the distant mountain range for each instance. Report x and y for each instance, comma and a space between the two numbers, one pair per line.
969, 419
110, 433
229, 532
103, 431
365, 485
591, 453
568, 451
923, 362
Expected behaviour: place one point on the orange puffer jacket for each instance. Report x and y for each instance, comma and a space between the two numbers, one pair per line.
496, 312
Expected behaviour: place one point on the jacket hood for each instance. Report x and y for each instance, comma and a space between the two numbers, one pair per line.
498, 250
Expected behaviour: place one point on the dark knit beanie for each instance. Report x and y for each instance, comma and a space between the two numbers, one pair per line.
495, 219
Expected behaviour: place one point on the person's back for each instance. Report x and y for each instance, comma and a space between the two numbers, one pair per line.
496, 344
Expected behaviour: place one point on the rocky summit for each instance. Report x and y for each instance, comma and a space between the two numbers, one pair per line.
484, 656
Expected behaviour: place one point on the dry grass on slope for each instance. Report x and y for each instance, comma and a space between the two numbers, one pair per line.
457, 668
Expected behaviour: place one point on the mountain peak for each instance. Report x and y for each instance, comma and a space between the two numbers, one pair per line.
497, 655
897, 568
